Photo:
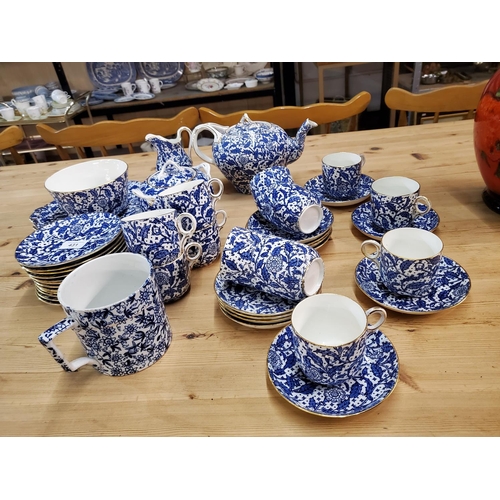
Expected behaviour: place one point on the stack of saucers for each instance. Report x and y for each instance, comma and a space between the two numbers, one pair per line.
257, 222
49, 254
253, 308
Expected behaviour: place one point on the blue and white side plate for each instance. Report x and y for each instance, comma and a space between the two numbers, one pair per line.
257, 222
451, 287
315, 186
143, 96
379, 377
362, 220
167, 72
67, 240
248, 300
110, 75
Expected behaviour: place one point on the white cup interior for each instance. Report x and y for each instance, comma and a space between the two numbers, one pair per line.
313, 277
104, 281
395, 186
329, 319
149, 214
412, 243
310, 219
183, 186
341, 159
85, 175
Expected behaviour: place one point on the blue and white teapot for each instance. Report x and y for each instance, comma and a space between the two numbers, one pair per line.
244, 149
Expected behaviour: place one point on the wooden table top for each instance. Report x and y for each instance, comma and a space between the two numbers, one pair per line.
213, 379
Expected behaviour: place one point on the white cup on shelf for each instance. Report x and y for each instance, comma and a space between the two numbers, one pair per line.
143, 85
34, 112
156, 84
7, 113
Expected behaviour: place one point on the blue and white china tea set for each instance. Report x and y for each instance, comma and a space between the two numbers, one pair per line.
113, 251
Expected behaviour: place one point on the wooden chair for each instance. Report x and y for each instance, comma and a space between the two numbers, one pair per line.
111, 133
292, 117
459, 100
10, 138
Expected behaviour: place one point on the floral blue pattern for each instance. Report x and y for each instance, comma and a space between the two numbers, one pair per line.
167, 72
68, 239
252, 146
169, 150
362, 220
451, 287
281, 201
316, 186
378, 376
273, 265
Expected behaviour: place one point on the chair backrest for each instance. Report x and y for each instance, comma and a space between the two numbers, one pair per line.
461, 100
10, 138
111, 133
292, 117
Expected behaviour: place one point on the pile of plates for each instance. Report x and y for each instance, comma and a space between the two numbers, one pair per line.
49, 254
252, 308
257, 222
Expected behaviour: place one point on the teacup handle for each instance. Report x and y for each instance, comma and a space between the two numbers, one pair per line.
371, 255
47, 340
224, 218
186, 233
216, 194
193, 258
422, 200
362, 156
382, 317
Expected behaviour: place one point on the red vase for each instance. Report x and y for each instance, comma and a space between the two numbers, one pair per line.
487, 141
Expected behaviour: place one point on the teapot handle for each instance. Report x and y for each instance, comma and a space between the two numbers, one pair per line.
194, 140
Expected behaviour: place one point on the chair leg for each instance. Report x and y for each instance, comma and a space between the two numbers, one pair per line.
17, 157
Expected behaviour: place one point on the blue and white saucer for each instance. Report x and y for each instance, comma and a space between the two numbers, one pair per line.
379, 377
362, 220
257, 222
452, 285
68, 239
252, 302
315, 186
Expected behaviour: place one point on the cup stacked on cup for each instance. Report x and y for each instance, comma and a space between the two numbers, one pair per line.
159, 236
193, 191
291, 211
263, 277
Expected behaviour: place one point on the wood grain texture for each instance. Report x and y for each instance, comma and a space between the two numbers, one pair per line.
213, 379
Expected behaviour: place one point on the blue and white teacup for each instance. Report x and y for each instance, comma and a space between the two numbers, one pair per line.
285, 204
341, 174
396, 201
408, 260
329, 337
115, 308
197, 197
159, 235
99, 185
271, 264
174, 276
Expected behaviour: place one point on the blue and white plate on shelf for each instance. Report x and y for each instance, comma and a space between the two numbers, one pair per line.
451, 286
124, 98
362, 220
143, 96
104, 95
68, 240
257, 222
315, 186
251, 302
378, 379
167, 72
110, 75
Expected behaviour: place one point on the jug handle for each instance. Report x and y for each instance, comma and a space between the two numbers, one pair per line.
194, 140
47, 340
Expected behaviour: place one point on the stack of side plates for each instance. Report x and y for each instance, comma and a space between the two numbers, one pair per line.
257, 222
252, 308
49, 254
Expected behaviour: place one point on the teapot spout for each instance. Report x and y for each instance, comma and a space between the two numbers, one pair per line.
297, 144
